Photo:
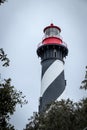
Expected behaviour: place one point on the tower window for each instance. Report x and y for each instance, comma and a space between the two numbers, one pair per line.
55, 53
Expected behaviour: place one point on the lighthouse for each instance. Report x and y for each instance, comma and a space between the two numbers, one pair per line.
52, 51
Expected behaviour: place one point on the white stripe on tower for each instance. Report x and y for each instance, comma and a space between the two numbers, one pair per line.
51, 74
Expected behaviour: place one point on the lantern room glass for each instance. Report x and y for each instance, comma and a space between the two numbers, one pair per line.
52, 32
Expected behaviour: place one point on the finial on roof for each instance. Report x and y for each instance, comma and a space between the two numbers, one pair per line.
51, 24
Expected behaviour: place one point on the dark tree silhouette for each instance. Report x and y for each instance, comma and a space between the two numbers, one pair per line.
62, 115
3, 58
84, 82
9, 98
2, 1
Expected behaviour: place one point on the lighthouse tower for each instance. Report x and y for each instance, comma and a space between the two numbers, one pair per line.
52, 51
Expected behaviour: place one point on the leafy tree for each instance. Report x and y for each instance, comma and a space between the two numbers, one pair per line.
62, 115
33, 122
84, 82
9, 98
3, 58
2, 1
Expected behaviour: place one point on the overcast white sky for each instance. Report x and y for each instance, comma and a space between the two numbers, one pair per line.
21, 29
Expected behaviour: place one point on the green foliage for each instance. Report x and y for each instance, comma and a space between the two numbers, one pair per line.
84, 82
3, 58
4, 125
9, 98
33, 122
62, 115
2, 1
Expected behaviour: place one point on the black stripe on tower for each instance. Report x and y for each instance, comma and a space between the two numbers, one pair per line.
46, 64
53, 91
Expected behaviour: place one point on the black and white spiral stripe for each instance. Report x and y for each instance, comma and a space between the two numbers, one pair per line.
52, 82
